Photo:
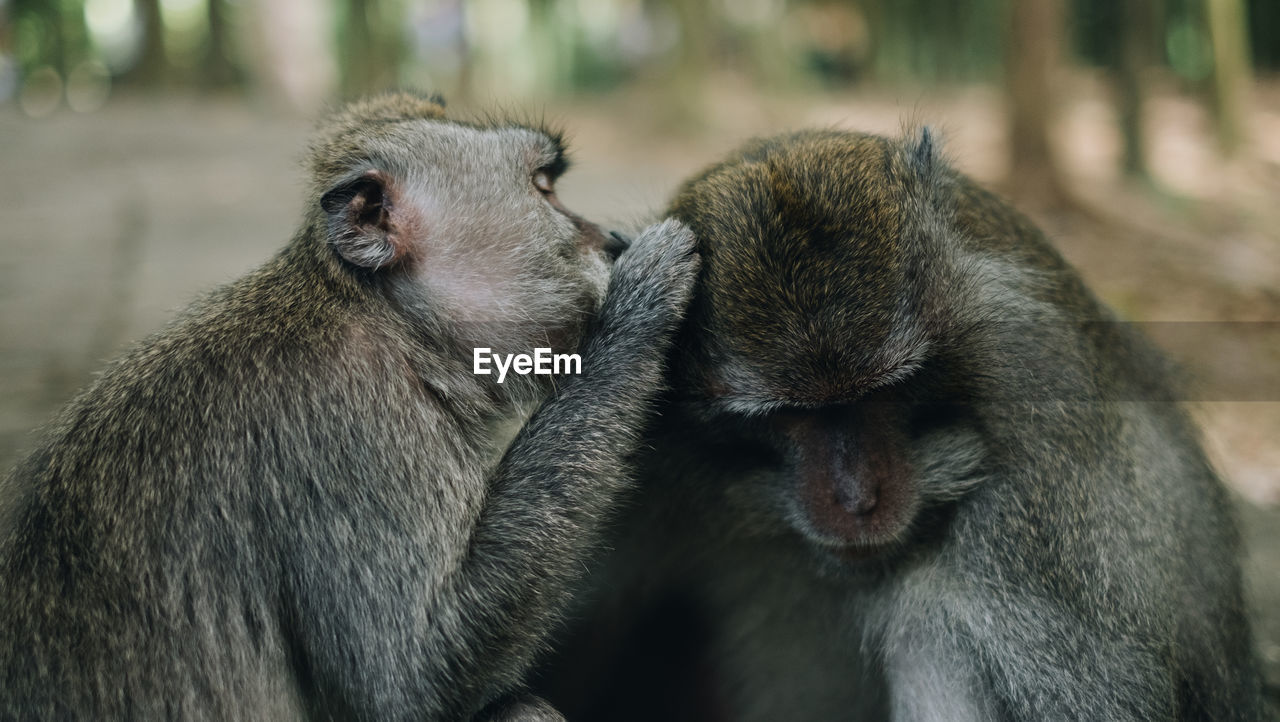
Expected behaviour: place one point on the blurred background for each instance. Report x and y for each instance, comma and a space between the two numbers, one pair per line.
149, 150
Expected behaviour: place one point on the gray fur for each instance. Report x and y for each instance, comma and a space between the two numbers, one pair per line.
297, 501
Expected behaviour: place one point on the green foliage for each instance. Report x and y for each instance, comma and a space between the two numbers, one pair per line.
773, 40
1264, 33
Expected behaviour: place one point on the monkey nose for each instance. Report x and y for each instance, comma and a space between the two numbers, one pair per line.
615, 244
857, 498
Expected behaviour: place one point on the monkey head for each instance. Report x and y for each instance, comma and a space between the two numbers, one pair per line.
812, 343
459, 222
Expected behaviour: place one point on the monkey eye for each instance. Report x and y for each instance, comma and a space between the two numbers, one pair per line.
542, 180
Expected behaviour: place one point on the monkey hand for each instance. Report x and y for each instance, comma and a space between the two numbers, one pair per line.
651, 284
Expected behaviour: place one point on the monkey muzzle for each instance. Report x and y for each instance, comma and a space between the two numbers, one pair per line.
853, 483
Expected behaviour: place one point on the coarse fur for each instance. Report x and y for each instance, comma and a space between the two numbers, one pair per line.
296, 500
912, 470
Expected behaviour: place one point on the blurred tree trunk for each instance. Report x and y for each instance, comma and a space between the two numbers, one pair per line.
693, 61
297, 68
152, 67
218, 69
1035, 31
465, 83
6, 30
1231, 70
371, 62
359, 69
58, 41
1139, 20
770, 61
552, 45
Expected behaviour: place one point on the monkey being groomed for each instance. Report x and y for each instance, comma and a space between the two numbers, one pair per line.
298, 500
910, 469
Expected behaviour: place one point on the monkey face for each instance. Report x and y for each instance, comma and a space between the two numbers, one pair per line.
808, 338
462, 225
843, 477
852, 485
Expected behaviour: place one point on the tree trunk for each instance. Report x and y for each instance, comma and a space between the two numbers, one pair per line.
1035, 29
373, 48
1231, 71
152, 67
693, 60
551, 47
297, 68
1137, 41
218, 69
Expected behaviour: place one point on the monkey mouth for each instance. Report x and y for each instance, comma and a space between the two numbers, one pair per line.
856, 533
857, 551
861, 552
859, 557
852, 538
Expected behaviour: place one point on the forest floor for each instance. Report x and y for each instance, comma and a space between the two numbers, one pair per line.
111, 221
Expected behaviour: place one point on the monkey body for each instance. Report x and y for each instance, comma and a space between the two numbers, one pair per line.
297, 501
911, 469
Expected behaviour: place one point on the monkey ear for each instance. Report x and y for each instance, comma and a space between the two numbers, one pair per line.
363, 225
924, 154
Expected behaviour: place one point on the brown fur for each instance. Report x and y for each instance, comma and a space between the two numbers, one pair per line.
912, 470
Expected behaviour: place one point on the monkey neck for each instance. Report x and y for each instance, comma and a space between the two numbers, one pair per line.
489, 412
405, 334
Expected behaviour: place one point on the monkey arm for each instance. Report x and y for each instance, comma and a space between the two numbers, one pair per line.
1032, 614
972, 655
572, 458
459, 603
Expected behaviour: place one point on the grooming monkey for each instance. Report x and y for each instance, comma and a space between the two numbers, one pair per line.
911, 469
298, 500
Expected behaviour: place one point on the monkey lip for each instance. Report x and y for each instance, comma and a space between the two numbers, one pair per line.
852, 534
857, 538
860, 552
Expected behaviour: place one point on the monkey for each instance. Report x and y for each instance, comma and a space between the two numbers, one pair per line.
298, 501
910, 468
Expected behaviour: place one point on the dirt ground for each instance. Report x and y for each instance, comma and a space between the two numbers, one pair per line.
109, 222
